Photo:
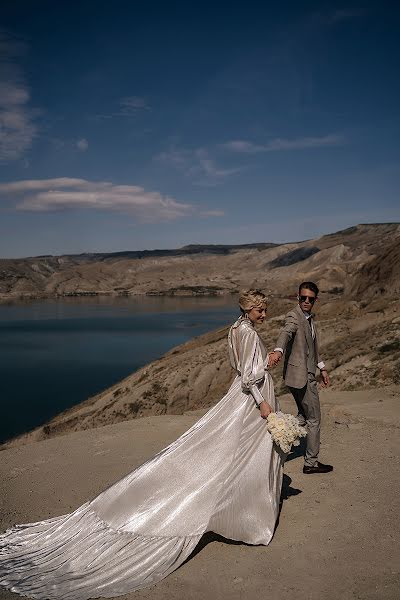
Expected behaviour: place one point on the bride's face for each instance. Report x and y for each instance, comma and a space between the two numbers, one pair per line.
257, 314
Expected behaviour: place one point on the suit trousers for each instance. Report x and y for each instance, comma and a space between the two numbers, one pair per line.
309, 414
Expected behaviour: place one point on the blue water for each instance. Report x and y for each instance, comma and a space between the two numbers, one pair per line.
54, 354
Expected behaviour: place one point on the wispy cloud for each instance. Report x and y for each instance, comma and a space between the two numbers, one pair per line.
197, 165
82, 144
17, 128
129, 106
208, 167
243, 146
338, 16
212, 213
66, 193
179, 159
278, 144
68, 144
330, 16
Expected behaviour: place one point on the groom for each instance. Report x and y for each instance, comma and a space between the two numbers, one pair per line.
298, 340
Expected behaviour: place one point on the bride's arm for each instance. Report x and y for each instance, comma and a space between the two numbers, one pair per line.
252, 368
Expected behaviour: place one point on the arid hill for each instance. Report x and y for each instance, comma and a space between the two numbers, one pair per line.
347, 523
381, 275
358, 315
333, 260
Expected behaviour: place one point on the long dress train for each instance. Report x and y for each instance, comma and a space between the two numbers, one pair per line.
222, 475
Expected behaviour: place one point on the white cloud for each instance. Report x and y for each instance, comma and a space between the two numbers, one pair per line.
129, 106
212, 213
82, 144
207, 166
31, 185
66, 194
132, 104
344, 15
198, 165
17, 128
180, 159
277, 144
243, 146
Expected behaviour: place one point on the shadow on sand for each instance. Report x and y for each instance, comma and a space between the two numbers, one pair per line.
297, 451
210, 536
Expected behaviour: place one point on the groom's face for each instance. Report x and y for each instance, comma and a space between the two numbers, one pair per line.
307, 299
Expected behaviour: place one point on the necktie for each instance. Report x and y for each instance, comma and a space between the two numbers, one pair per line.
311, 327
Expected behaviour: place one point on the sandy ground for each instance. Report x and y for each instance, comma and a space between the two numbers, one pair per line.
337, 533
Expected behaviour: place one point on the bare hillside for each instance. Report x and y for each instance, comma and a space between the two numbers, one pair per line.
358, 314
333, 260
381, 275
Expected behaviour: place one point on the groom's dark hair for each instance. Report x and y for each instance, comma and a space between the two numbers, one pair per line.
309, 285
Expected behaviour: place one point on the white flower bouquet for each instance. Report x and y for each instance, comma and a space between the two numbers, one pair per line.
285, 430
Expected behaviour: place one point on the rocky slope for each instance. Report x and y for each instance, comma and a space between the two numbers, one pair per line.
380, 275
333, 260
358, 314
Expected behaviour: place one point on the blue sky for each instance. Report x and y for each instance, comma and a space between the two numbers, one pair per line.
126, 126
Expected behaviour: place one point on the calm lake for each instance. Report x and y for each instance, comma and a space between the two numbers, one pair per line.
56, 353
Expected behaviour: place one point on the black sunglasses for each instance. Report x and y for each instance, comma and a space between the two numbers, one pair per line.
311, 299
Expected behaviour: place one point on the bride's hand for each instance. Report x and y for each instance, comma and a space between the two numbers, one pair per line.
265, 409
273, 358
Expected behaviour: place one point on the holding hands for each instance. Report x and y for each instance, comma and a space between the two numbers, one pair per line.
274, 357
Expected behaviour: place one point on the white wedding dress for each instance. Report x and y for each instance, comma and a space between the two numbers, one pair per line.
223, 475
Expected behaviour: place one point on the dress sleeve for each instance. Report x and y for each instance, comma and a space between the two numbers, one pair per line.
251, 363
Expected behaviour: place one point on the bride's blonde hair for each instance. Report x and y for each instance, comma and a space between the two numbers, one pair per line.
249, 299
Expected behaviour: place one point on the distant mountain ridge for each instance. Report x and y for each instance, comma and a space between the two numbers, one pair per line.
332, 260
184, 250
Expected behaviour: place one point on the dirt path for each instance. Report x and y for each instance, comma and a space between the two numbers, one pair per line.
337, 535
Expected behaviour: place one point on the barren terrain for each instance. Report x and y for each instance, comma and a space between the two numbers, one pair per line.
358, 317
337, 534
334, 260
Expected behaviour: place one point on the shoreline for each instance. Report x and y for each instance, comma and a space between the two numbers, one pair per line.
196, 374
179, 293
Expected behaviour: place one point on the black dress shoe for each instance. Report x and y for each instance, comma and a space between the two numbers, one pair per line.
318, 468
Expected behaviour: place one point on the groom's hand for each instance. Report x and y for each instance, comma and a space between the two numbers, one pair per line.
274, 357
325, 378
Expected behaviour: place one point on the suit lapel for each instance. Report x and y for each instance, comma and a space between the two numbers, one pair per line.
306, 327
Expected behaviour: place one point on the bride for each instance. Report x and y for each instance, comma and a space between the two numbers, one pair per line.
223, 475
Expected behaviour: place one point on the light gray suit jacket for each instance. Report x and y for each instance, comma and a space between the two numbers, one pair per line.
300, 349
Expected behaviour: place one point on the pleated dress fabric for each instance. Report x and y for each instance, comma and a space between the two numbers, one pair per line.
223, 475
